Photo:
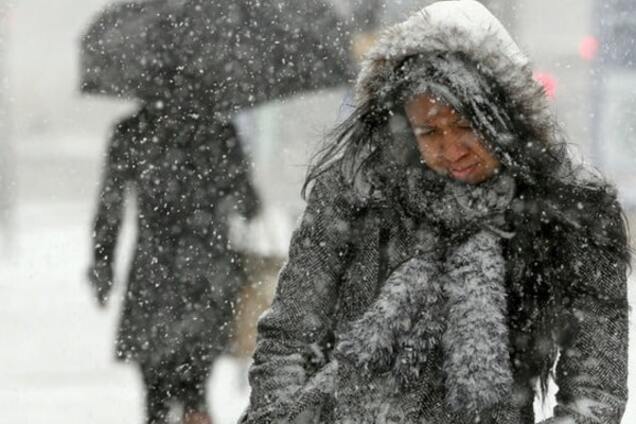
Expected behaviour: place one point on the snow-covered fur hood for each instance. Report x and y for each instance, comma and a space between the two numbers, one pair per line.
467, 28
450, 26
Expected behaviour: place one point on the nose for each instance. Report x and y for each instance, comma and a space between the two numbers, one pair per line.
453, 147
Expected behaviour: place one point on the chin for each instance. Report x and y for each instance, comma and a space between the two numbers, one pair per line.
472, 179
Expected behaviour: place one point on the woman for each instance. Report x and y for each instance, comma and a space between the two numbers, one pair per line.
450, 251
188, 173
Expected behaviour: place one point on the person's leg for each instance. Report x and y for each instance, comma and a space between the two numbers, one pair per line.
196, 417
157, 395
193, 394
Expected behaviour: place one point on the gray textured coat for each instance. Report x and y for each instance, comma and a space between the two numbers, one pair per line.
348, 246
188, 173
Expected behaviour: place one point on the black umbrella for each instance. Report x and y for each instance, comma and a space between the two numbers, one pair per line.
225, 54
127, 50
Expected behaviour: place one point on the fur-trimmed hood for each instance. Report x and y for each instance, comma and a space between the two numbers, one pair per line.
464, 26
467, 28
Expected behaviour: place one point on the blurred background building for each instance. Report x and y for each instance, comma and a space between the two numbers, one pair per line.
56, 364
613, 92
6, 154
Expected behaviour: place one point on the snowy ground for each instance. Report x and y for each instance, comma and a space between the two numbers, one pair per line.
56, 362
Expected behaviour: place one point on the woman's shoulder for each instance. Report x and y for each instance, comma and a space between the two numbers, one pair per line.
331, 185
593, 237
333, 191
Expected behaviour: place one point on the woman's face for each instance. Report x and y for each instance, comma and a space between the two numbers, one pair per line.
447, 142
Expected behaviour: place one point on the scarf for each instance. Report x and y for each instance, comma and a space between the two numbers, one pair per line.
450, 295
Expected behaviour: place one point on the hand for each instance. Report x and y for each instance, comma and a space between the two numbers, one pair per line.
101, 277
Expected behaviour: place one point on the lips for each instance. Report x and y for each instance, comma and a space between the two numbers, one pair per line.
461, 172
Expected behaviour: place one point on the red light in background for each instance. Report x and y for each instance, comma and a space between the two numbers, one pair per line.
549, 83
588, 47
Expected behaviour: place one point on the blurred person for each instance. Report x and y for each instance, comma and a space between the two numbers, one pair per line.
188, 173
207, 62
450, 250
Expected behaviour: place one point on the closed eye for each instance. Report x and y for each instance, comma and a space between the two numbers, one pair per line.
423, 131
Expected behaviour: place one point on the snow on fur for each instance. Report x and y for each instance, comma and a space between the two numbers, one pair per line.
452, 26
409, 292
477, 365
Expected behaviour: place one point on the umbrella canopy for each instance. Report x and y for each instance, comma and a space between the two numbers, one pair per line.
127, 50
225, 55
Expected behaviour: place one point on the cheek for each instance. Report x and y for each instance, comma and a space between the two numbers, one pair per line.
478, 149
429, 153
489, 162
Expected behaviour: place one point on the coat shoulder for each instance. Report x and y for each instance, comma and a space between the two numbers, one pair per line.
331, 187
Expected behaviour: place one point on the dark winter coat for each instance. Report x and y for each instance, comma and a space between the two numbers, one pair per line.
563, 242
188, 173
